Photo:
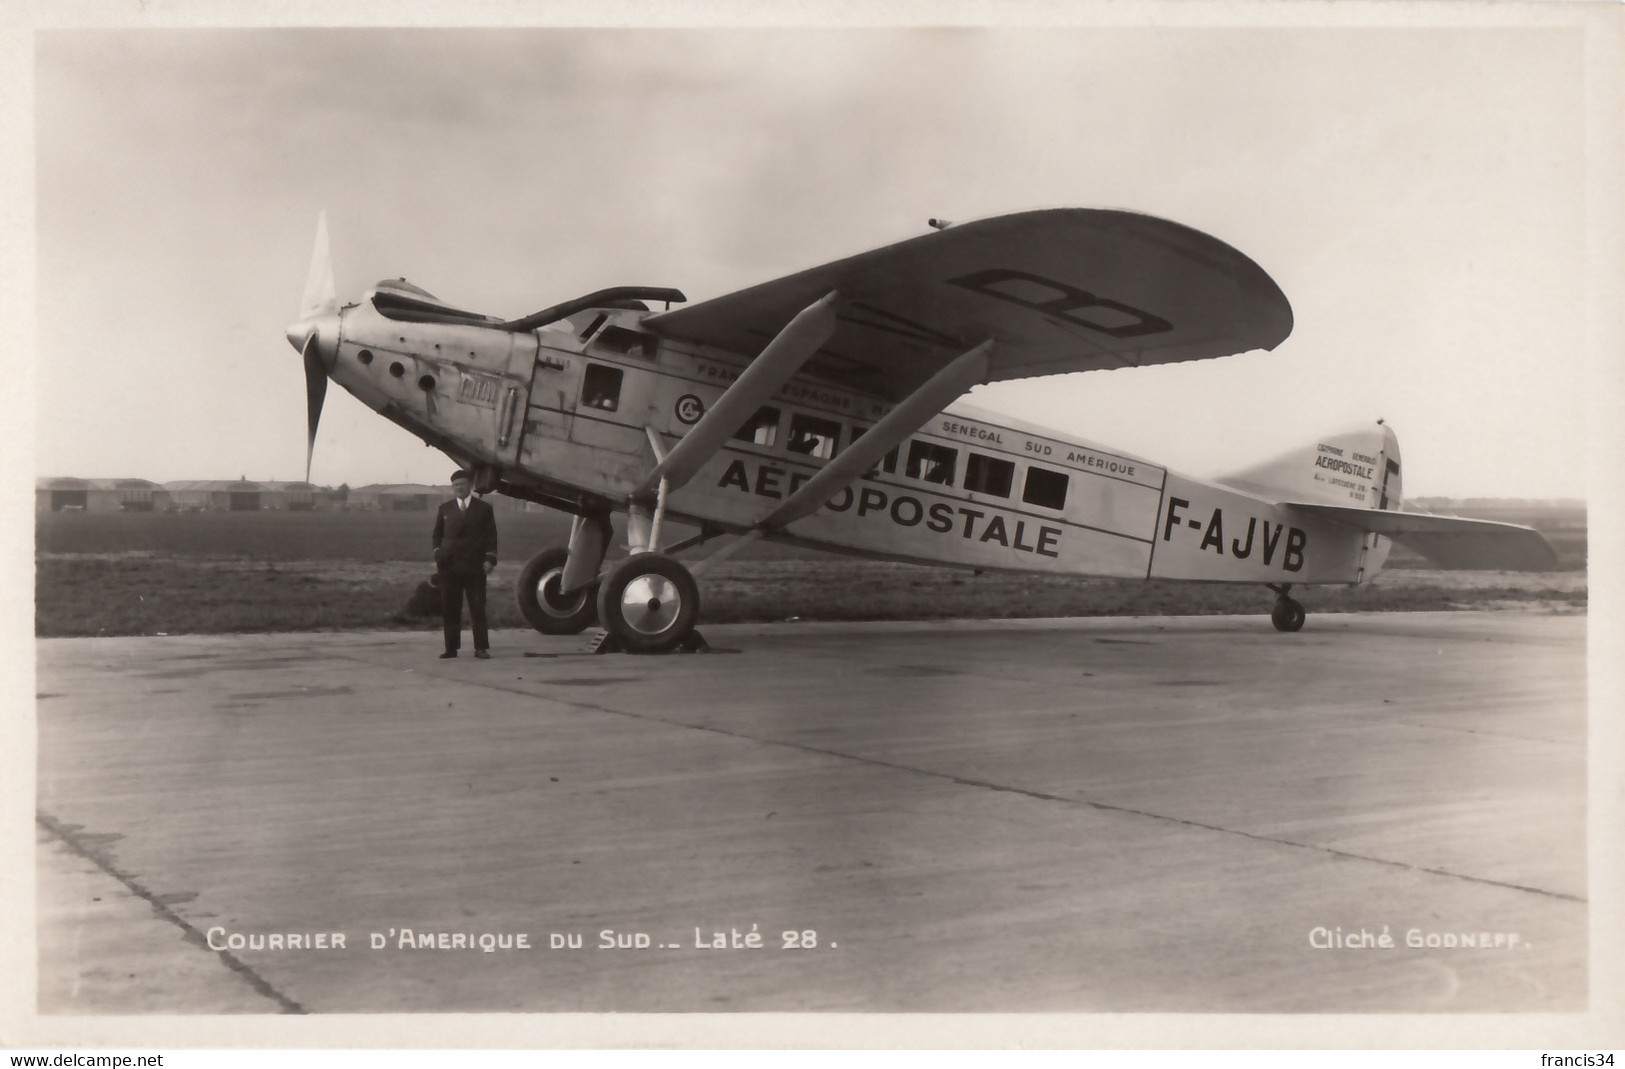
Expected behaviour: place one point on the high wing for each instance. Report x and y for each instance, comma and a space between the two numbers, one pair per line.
1448, 541
1059, 290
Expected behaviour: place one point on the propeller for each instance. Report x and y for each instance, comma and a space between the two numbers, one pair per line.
321, 298
315, 393
316, 333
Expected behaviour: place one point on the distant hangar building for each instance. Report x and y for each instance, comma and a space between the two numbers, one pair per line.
242, 495
99, 495
218, 495
420, 497
305, 497
399, 497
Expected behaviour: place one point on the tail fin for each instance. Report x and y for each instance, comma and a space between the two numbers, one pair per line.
1353, 479
1355, 469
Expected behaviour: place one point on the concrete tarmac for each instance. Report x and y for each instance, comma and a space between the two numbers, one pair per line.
1159, 814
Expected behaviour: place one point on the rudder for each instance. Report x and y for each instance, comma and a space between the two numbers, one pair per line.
1358, 468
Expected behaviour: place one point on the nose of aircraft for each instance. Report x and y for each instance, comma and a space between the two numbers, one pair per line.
323, 330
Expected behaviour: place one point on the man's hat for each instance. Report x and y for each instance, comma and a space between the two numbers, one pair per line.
461, 474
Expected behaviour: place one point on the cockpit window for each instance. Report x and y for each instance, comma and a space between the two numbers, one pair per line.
629, 342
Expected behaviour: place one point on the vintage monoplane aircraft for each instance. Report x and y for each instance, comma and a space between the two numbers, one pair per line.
819, 409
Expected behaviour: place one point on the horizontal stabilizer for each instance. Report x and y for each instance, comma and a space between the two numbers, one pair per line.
1447, 541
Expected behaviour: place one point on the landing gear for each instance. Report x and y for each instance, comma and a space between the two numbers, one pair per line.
543, 603
648, 603
1287, 615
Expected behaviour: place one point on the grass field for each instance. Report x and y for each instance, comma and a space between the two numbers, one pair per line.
145, 573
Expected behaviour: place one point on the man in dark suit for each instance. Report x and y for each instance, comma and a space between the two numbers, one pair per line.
465, 551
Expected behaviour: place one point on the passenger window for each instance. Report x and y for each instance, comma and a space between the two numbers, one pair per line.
888, 463
1045, 488
601, 387
760, 429
931, 462
989, 475
812, 436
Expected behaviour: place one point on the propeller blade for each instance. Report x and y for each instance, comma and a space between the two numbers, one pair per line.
315, 394
321, 296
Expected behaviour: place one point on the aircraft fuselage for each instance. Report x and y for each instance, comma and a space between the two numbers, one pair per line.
572, 414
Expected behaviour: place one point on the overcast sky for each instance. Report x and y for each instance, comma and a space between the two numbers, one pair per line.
1418, 194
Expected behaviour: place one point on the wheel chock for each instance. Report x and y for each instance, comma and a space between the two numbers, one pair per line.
604, 642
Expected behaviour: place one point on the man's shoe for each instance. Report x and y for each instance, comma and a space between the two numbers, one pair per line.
482, 655
448, 653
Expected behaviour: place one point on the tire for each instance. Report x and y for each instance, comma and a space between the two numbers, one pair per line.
649, 603
1287, 615
540, 602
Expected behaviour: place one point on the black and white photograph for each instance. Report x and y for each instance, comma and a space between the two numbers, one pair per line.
718, 526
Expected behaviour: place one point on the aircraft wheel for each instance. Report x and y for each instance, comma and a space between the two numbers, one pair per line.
1287, 615
541, 603
649, 603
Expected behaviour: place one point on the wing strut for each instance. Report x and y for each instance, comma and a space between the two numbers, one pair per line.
782, 358
966, 370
